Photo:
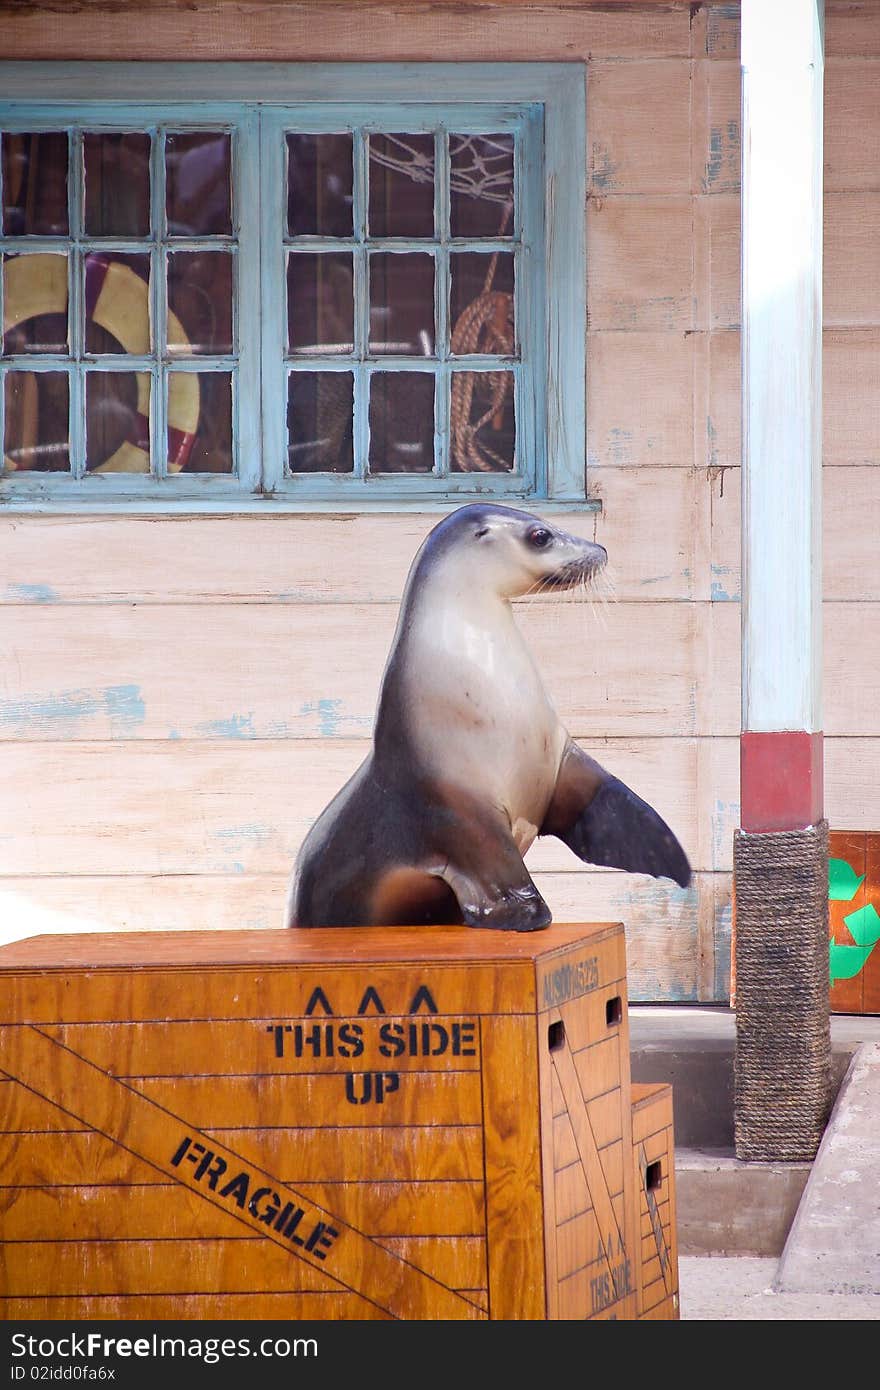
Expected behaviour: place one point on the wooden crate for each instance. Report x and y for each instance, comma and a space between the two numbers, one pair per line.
654, 1155
854, 921
382, 1123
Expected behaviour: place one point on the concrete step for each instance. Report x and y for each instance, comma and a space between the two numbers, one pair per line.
725, 1206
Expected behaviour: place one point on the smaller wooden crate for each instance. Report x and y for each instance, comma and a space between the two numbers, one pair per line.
654, 1154
430, 1123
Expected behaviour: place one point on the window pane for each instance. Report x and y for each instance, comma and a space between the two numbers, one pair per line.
36, 424
35, 303
200, 422
481, 303
118, 422
320, 409
117, 184
184, 413
197, 183
481, 185
481, 422
117, 303
320, 302
402, 185
319, 185
35, 184
401, 422
200, 301
402, 303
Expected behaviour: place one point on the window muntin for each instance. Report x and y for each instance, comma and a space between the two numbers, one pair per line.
122, 283
410, 297
541, 387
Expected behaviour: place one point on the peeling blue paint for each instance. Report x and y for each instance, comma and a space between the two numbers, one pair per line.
329, 714
604, 169
253, 834
33, 593
720, 595
718, 592
725, 814
620, 445
237, 840
712, 438
123, 705
237, 726
716, 156
279, 729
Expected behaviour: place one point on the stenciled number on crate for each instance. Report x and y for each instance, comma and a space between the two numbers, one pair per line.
349, 1039
570, 981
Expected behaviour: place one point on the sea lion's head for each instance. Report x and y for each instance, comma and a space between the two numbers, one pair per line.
510, 551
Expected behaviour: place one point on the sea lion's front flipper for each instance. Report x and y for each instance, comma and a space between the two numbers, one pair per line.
604, 822
486, 873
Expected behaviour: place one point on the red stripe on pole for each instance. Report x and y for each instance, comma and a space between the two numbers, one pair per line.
781, 780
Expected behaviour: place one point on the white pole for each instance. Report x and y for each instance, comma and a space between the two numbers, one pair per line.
782, 76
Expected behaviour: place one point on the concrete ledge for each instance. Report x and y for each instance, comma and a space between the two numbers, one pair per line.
834, 1240
693, 1047
728, 1207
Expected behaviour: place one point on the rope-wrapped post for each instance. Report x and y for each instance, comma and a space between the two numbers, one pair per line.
782, 1061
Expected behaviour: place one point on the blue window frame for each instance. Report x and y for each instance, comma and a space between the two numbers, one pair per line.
354, 285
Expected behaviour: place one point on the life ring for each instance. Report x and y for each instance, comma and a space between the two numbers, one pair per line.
117, 300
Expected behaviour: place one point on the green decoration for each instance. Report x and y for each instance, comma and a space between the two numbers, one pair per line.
863, 924
847, 961
843, 881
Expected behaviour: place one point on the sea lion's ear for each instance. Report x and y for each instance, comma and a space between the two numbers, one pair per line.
605, 823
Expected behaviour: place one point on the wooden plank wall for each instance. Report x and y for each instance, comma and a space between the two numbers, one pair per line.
180, 697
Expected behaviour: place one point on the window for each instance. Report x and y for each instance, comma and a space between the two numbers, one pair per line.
303, 285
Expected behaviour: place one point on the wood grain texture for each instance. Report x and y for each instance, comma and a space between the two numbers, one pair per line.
626, 154
851, 427
161, 1139
215, 1135
654, 1144
716, 250
716, 147
515, 1215
851, 280
593, 1181
231, 811
852, 123
851, 29
652, 430
187, 1307
653, 522
314, 670
90, 844
640, 263
250, 29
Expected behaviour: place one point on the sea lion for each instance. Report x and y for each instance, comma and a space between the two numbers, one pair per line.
469, 761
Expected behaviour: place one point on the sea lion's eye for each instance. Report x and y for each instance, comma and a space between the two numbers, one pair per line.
540, 537
483, 531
